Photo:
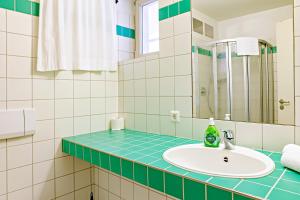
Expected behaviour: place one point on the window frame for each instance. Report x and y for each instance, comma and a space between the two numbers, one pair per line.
139, 27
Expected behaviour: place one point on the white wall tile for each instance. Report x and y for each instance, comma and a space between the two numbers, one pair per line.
297, 51
140, 87
199, 127
43, 171
184, 105
128, 104
82, 193
140, 192
181, 46
97, 89
183, 86
64, 166
82, 107
97, 106
140, 105
63, 127
153, 105
44, 109
153, 123
249, 135
103, 179
297, 2
14, 182
63, 89
166, 47
182, 23
24, 153
44, 190
275, 137
297, 81
129, 88
114, 184
19, 67
166, 28
167, 127
297, 135
97, 123
2, 66
2, 89
64, 185
297, 17
3, 44
19, 45
19, 89
19, 23
152, 68
3, 19
139, 70
166, 67
111, 89
25, 193
111, 105
152, 87
3, 159
184, 128
82, 179
43, 89
63, 108
297, 108
128, 72
126, 189
64, 75
183, 65
166, 86
3, 181
82, 125
43, 151
82, 89
156, 196
166, 104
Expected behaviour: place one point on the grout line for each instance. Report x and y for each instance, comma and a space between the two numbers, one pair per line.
272, 188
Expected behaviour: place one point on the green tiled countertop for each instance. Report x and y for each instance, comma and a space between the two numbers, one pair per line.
138, 156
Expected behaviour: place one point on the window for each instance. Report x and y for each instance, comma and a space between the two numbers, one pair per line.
149, 26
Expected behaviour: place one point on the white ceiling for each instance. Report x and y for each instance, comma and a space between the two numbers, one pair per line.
225, 9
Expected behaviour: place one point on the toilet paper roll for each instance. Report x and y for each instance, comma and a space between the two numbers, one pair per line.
117, 124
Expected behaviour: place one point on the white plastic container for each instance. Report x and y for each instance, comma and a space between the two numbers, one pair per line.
117, 124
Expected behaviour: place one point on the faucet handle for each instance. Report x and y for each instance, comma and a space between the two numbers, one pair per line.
228, 134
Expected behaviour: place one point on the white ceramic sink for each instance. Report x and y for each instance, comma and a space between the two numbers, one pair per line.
238, 163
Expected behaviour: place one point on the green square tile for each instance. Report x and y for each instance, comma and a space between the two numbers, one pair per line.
87, 154
163, 13
173, 9
267, 180
66, 146
156, 179
95, 158
173, 185
253, 189
277, 194
217, 194
104, 161
79, 151
225, 182
23, 6
119, 30
184, 6
161, 164
7, 4
200, 177
290, 186
291, 176
35, 9
240, 197
276, 157
115, 164
193, 190
140, 174
72, 149
127, 169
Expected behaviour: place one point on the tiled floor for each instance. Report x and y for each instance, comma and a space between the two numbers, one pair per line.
138, 156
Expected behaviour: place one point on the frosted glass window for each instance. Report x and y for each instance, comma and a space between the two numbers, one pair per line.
150, 27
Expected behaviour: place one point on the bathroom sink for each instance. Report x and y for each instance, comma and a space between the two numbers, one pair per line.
238, 163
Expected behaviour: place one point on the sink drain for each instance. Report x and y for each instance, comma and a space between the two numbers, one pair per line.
226, 159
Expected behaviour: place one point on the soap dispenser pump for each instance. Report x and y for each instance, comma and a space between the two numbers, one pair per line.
212, 135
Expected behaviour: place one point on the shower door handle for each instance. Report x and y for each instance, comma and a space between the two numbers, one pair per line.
283, 103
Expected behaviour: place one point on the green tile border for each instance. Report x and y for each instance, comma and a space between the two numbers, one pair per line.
125, 32
174, 9
164, 178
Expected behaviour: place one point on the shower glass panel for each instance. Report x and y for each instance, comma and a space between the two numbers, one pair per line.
226, 83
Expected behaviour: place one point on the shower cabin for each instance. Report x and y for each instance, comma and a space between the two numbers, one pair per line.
239, 87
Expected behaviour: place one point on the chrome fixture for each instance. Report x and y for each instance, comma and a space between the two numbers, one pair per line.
228, 139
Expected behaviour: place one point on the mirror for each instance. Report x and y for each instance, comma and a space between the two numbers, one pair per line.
243, 60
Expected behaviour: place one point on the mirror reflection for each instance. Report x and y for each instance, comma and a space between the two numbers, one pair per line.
243, 60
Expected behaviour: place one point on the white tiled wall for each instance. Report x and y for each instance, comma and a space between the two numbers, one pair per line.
297, 68
67, 103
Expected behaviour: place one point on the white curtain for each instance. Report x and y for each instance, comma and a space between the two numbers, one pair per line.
77, 35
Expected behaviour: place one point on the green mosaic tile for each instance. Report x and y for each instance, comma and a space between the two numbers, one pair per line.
184, 6
87, 154
277, 173
289, 186
267, 180
7, 4
125, 32
225, 182
156, 179
23, 6
95, 157
35, 9
291, 176
161, 164
177, 170
278, 194
72, 149
275, 157
173, 185
253, 189
163, 13
115, 164
240, 197
217, 194
193, 190
173, 9
196, 176
140, 174
127, 169
65, 146
104, 161
79, 151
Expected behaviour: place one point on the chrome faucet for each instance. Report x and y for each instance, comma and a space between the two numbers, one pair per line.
228, 139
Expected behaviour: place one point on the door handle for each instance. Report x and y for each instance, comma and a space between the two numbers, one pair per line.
283, 103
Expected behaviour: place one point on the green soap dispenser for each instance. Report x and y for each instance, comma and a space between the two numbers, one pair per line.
212, 135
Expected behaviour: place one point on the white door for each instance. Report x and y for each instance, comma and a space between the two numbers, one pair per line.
285, 72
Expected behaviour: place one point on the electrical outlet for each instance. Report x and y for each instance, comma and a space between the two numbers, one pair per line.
175, 115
